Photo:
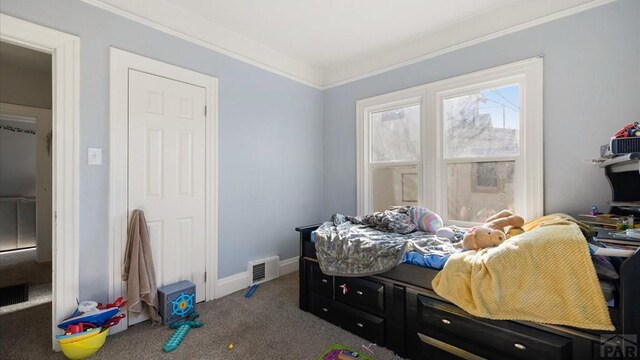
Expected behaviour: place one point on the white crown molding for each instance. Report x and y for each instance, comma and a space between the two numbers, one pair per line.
175, 21
503, 21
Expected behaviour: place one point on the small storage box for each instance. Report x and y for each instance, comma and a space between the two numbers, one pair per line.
177, 300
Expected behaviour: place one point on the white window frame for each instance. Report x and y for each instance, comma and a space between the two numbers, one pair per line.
432, 192
363, 129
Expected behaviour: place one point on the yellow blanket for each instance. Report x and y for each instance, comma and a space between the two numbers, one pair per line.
544, 275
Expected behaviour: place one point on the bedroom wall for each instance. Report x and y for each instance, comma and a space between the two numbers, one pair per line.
17, 159
270, 145
591, 89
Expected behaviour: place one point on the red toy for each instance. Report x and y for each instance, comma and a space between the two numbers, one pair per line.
631, 130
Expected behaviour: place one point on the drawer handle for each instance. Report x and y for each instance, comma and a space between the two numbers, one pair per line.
360, 325
520, 346
446, 321
358, 292
324, 281
325, 309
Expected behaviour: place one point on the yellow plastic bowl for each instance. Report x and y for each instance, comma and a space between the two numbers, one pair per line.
80, 336
82, 349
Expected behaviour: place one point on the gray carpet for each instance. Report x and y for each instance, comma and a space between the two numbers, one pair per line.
18, 267
267, 326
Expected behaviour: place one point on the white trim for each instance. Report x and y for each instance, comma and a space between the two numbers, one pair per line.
239, 281
121, 62
232, 283
387, 60
217, 38
432, 185
507, 20
288, 266
65, 50
364, 108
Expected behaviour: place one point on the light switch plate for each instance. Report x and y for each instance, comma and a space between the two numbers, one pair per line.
94, 156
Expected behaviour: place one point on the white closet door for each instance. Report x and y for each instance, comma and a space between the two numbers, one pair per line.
167, 174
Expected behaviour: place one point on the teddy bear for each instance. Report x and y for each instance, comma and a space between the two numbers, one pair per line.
505, 219
481, 237
492, 232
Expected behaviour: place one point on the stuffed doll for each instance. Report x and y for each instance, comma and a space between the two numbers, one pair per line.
481, 237
505, 219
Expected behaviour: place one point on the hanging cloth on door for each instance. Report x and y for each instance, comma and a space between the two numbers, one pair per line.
139, 273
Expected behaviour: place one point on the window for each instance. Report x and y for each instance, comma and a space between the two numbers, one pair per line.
457, 146
393, 153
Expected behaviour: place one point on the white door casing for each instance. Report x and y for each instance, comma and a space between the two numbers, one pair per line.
65, 51
167, 174
121, 63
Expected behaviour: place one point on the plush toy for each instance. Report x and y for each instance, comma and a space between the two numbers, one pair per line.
505, 219
492, 232
481, 237
452, 232
425, 219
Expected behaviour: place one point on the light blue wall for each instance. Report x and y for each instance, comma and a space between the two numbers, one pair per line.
277, 136
591, 89
270, 142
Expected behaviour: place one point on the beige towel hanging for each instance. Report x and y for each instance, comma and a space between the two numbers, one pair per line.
139, 273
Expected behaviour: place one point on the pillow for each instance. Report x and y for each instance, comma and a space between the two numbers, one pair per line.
425, 219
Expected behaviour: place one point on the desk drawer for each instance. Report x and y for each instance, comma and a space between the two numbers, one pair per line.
360, 323
487, 338
363, 294
321, 283
323, 308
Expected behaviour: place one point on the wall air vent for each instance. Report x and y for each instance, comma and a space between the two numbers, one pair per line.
263, 270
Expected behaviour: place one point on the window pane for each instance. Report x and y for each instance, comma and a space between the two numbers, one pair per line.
395, 134
396, 185
482, 124
475, 191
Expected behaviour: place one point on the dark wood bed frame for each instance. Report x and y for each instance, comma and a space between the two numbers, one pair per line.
399, 310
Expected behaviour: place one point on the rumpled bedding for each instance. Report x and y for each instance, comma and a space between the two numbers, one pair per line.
396, 219
345, 248
543, 275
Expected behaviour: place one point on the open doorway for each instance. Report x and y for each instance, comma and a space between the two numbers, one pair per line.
25, 178
64, 52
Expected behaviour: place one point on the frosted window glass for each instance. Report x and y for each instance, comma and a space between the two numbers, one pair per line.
483, 124
395, 134
475, 191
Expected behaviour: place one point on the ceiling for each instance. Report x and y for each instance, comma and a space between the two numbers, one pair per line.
326, 32
327, 42
25, 58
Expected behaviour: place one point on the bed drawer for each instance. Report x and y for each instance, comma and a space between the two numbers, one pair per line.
361, 323
323, 308
450, 325
321, 283
363, 294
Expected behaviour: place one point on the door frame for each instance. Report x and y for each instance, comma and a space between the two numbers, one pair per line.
65, 53
120, 63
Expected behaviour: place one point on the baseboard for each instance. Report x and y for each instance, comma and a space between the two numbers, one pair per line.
289, 265
239, 281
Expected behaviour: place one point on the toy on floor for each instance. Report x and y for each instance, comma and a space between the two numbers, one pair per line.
93, 313
252, 289
182, 305
182, 329
85, 347
176, 301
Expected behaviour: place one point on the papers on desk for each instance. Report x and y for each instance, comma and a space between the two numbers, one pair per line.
611, 251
